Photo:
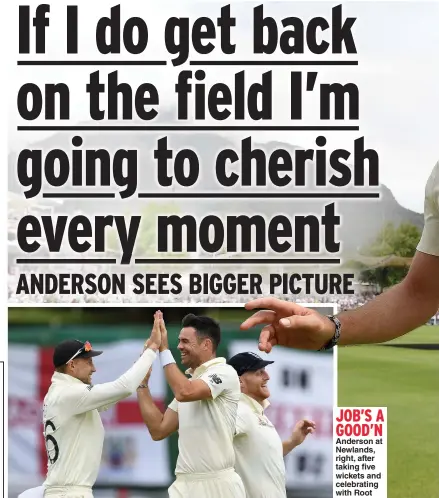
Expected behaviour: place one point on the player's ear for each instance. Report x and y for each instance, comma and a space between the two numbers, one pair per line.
208, 344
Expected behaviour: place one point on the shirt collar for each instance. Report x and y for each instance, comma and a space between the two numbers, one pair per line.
255, 405
60, 377
204, 366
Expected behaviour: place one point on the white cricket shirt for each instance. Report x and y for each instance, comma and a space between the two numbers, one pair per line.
206, 427
430, 236
259, 451
73, 428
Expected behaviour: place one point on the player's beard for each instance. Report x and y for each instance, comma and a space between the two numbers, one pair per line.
264, 392
258, 392
186, 360
87, 380
190, 361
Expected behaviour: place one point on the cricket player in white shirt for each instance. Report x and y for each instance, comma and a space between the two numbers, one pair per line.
258, 447
203, 411
73, 428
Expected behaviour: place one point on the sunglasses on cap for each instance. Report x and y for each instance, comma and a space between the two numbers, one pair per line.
83, 349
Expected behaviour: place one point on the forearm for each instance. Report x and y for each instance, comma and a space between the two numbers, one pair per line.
132, 378
177, 381
102, 395
288, 446
390, 315
151, 415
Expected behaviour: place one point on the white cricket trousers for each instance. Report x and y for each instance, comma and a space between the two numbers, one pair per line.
224, 484
68, 492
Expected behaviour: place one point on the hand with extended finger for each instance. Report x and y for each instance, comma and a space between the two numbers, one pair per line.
288, 324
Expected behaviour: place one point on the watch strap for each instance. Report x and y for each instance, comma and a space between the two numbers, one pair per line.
335, 338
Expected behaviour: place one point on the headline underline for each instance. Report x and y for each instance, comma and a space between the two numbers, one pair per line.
179, 261
186, 128
191, 63
208, 195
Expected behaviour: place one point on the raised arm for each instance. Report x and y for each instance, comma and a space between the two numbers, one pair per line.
83, 398
160, 425
301, 430
184, 389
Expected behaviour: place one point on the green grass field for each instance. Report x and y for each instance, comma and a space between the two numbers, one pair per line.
407, 382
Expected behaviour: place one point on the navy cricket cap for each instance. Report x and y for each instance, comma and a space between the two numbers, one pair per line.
70, 349
247, 362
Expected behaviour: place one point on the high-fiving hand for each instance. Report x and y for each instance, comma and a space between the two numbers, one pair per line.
163, 332
155, 340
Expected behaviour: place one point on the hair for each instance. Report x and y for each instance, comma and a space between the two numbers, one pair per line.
205, 327
61, 369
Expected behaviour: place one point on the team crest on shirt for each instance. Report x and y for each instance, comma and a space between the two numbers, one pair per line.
215, 378
263, 421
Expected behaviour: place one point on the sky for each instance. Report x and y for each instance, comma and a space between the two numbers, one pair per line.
397, 76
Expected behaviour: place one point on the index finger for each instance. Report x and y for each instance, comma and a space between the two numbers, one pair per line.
273, 303
156, 324
260, 317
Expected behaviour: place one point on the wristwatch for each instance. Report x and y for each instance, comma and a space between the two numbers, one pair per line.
334, 340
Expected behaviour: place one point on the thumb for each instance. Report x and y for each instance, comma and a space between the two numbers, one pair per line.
294, 321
